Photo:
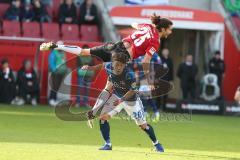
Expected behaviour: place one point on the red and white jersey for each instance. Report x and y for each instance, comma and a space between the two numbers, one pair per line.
144, 40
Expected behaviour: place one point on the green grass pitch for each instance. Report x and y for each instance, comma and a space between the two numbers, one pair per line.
35, 133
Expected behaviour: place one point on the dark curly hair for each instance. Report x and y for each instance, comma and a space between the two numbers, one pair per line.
160, 22
119, 56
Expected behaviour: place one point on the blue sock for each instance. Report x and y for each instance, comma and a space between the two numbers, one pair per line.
149, 130
105, 130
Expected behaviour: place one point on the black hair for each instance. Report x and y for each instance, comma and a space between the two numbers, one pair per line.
85, 46
217, 53
119, 56
5, 60
160, 22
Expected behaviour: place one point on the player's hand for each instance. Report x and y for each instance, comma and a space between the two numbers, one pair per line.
90, 115
105, 117
152, 87
47, 46
117, 102
85, 67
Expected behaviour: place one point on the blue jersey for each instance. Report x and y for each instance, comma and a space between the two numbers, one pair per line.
122, 83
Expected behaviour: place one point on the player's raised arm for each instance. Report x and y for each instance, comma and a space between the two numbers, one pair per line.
146, 63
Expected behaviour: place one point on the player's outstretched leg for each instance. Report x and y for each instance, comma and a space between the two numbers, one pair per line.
67, 48
150, 132
101, 100
105, 131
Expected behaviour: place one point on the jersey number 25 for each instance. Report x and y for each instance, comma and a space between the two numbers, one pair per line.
140, 36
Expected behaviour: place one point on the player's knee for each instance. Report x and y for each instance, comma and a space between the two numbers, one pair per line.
143, 126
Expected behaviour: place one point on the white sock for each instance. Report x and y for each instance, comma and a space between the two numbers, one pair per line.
71, 49
154, 143
101, 100
110, 144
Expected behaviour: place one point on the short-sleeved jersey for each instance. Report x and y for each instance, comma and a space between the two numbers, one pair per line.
122, 83
145, 40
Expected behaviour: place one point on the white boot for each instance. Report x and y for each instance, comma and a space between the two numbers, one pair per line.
34, 102
20, 102
52, 103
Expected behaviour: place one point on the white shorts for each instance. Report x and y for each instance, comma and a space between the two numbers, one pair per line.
133, 108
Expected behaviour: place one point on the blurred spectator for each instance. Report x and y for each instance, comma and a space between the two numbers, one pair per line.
167, 63
14, 11
47, 2
67, 12
27, 82
7, 83
78, 2
216, 66
88, 13
40, 12
58, 70
27, 14
237, 95
187, 72
84, 79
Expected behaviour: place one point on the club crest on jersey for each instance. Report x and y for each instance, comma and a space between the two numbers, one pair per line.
134, 86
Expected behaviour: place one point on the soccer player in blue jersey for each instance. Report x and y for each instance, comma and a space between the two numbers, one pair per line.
121, 93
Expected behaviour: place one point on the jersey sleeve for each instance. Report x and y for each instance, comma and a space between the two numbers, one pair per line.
108, 68
153, 47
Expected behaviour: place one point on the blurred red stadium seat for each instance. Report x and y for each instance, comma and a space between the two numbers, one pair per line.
70, 32
3, 9
11, 28
31, 29
89, 33
50, 31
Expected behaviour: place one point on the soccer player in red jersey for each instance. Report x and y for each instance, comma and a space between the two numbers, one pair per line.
145, 41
